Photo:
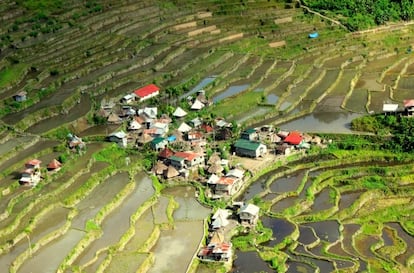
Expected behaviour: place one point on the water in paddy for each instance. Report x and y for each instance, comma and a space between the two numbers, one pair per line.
306, 236
299, 267
348, 198
10, 144
272, 99
247, 262
99, 130
78, 110
283, 204
232, 90
323, 122
189, 208
323, 200
288, 183
281, 228
117, 222
326, 230
323, 265
387, 236
407, 238
204, 82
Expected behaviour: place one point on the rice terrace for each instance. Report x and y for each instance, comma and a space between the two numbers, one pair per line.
206, 136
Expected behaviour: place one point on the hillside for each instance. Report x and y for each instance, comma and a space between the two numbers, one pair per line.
345, 208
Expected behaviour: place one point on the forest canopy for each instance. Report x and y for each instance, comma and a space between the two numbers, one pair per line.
362, 14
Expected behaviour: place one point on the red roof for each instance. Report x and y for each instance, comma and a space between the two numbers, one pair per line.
33, 162
226, 180
146, 90
186, 155
207, 128
165, 153
54, 164
294, 138
408, 103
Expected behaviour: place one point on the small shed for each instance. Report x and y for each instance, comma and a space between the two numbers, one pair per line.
179, 113
21, 96
389, 108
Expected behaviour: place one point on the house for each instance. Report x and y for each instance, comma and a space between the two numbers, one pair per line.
389, 108
33, 164
134, 124
21, 96
128, 99
195, 136
143, 139
184, 127
179, 113
220, 219
159, 168
146, 92
159, 143
165, 153
409, 106
75, 142
197, 105
171, 172
114, 119
216, 252
150, 112
196, 122
294, 138
119, 137
249, 148
160, 129
226, 185
31, 175
54, 165
249, 134
183, 160
249, 214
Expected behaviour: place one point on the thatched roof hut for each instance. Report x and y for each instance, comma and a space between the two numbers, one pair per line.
159, 168
171, 172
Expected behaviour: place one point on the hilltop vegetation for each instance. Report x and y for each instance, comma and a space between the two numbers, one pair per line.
361, 14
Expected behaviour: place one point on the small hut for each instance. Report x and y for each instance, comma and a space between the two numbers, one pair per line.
54, 165
159, 168
171, 172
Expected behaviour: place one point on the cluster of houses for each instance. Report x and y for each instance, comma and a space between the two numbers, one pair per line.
218, 247
32, 175
393, 108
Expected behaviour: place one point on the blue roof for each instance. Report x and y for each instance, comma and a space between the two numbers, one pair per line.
313, 35
172, 138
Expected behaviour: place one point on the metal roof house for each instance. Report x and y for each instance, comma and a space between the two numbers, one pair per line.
249, 148
146, 92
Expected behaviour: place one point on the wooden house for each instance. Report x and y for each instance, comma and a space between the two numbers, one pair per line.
21, 96
249, 134
119, 137
54, 166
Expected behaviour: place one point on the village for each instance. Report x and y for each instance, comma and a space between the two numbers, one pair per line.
190, 145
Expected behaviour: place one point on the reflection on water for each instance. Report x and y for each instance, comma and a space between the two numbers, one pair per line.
272, 99
232, 90
206, 81
339, 122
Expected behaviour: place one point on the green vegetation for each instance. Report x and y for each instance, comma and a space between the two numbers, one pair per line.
396, 129
12, 74
362, 14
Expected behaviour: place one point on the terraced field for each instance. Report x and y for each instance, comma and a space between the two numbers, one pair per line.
98, 215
